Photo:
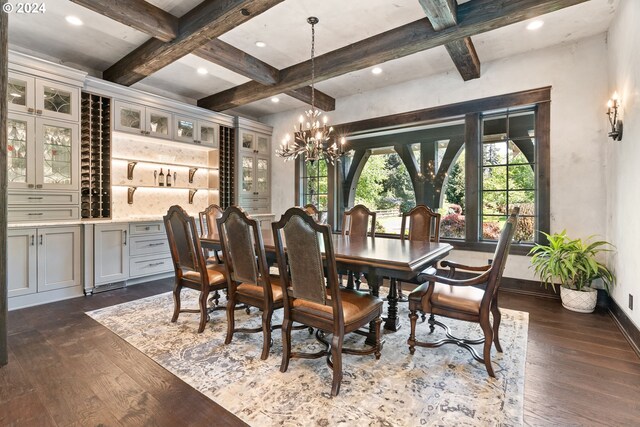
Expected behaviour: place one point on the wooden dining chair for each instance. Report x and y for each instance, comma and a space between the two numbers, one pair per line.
419, 224
208, 225
191, 269
248, 273
463, 299
355, 223
311, 300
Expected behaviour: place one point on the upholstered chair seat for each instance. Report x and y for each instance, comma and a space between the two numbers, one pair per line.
355, 306
215, 274
463, 299
251, 290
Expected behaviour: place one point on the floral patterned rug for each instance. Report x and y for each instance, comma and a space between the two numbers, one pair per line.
442, 386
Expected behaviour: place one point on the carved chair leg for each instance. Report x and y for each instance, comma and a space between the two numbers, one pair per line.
378, 351
203, 311
432, 322
358, 280
488, 341
413, 317
350, 280
336, 356
266, 333
231, 321
176, 302
423, 316
286, 344
497, 316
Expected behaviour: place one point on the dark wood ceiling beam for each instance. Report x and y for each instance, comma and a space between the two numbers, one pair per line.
444, 14
138, 14
207, 21
474, 17
240, 62
322, 101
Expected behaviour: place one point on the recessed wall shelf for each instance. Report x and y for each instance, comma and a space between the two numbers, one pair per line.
131, 189
153, 162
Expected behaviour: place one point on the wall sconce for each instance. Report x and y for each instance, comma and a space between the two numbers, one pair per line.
616, 123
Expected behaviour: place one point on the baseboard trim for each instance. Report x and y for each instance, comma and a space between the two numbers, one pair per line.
626, 326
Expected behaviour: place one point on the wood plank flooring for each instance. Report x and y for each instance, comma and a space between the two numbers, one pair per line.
67, 370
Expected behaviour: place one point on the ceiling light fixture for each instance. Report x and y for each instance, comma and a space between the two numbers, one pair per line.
74, 20
311, 140
535, 25
202, 71
376, 70
275, 99
261, 44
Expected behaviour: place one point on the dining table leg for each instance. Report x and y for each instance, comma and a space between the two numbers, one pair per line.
392, 322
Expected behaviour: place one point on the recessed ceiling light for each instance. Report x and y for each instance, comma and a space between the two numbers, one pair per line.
275, 99
74, 20
261, 44
376, 70
535, 25
202, 71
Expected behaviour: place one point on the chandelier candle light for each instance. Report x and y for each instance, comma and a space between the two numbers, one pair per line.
312, 139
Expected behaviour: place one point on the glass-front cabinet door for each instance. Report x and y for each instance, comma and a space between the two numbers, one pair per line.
246, 179
262, 144
158, 123
57, 158
57, 101
129, 117
208, 132
21, 151
185, 129
20, 96
247, 141
262, 176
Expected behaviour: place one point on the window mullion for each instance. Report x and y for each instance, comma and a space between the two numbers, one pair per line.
472, 176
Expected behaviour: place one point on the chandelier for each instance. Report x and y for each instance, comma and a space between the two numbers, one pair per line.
311, 138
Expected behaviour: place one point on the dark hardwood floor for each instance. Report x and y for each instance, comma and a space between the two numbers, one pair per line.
67, 370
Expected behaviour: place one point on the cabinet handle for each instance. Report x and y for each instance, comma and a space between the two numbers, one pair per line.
39, 112
154, 264
35, 198
30, 110
36, 213
141, 131
30, 186
33, 240
125, 237
147, 228
41, 240
38, 185
156, 244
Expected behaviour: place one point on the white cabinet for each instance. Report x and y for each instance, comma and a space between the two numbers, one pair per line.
142, 120
21, 261
111, 253
43, 98
254, 169
192, 130
42, 153
149, 250
43, 259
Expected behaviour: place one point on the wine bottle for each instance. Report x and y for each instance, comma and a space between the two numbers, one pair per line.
161, 178
168, 177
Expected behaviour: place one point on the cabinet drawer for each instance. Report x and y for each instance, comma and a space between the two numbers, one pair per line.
250, 202
148, 265
37, 198
42, 213
143, 228
143, 245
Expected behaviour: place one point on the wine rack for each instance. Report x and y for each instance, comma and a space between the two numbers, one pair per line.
95, 156
227, 165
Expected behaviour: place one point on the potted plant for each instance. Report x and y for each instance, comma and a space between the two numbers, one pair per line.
573, 263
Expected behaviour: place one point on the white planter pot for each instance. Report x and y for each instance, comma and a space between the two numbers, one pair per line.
581, 301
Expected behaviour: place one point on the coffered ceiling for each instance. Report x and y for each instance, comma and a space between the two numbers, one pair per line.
102, 42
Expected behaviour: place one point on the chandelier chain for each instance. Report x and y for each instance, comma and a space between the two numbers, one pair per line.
313, 66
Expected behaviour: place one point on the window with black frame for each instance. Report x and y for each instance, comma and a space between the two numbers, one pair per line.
315, 186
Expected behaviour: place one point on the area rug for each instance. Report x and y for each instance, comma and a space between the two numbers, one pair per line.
434, 387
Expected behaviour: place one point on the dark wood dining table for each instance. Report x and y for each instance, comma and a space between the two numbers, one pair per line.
376, 257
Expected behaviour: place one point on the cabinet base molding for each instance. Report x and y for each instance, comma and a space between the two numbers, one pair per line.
39, 298
146, 279
107, 287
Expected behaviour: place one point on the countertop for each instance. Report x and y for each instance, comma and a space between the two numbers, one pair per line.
149, 218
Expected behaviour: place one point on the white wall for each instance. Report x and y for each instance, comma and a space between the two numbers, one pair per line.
578, 75
624, 171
